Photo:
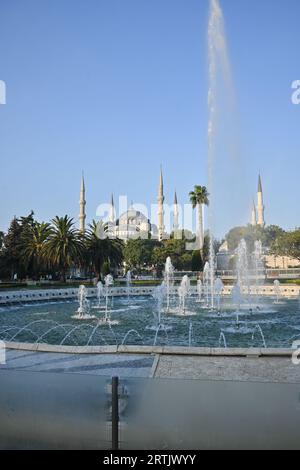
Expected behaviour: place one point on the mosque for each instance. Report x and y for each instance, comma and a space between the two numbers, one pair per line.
133, 223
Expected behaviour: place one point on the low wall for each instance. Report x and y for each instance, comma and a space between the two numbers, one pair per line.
27, 296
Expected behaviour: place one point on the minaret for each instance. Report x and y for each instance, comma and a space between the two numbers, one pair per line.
253, 215
82, 203
260, 205
175, 214
160, 203
112, 210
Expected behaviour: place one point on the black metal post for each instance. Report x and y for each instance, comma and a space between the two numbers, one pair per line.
115, 413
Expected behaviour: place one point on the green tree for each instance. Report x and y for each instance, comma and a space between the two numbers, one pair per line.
101, 249
33, 241
64, 246
251, 233
198, 198
287, 244
138, 253
197, 264
176, 250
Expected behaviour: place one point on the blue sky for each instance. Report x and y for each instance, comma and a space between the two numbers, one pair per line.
118, 87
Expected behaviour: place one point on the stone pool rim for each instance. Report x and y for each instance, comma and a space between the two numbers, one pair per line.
167, 350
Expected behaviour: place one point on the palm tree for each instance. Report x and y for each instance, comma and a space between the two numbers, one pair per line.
198, 198
33, 243
65, 245
101, 249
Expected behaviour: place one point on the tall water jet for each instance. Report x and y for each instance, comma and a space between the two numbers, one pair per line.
258, 265
158, 295
183, 291
206, 281
199, 290
128, 283
190, 334
108, 283
169, 280
277, 290
236, 296
218, 288
218, 74
212, 272
100, 292
242, 263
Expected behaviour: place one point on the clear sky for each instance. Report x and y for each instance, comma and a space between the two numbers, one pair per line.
118, 87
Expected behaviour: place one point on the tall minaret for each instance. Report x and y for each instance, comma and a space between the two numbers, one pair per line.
175, 214
82, 203
260, 205
160, 203
112, 210
253, 215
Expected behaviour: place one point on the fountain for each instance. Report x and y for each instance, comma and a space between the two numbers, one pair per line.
183, 292
100, 293
160, 327
218, 288
206, 280
108, 283
258, 265
277, 290
258, 328
169, 280
128, 284
84, 305
242, 267
190, 333
158, 295
129, 333
212, 271
199, 291
222, 338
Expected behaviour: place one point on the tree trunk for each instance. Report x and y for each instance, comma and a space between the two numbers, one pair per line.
200, 228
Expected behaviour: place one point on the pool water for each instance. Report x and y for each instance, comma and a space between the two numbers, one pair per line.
52, 323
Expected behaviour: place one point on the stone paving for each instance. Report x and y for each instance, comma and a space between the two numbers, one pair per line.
173, 366
122, 365
256, 369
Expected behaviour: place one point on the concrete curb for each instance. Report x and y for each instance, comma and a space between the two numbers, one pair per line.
157, 350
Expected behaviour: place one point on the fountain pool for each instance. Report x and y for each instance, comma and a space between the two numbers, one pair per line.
52, 323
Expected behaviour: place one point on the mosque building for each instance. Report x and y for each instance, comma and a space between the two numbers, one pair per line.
133, 223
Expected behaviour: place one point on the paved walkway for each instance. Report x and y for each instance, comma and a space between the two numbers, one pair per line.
123, 365
256, 369
262, 369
